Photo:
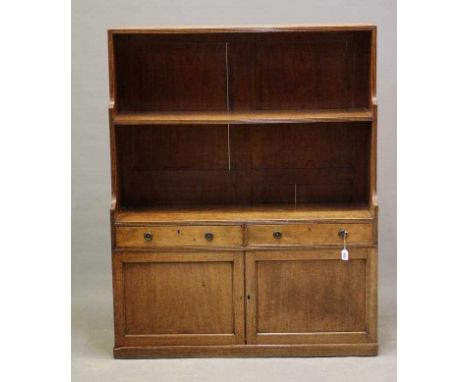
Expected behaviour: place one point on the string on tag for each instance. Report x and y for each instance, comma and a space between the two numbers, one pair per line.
344, 251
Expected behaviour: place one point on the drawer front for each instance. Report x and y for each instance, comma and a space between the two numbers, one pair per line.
179, 236
309, 234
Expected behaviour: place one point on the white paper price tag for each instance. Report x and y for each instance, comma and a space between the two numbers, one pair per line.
344, 254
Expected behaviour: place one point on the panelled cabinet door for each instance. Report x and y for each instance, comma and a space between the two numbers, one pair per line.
307, 297
178, 298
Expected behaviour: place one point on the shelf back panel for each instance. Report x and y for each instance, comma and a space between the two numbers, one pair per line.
164, 74
242, 71
300, 71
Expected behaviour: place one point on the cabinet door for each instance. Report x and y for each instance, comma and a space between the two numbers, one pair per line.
178, 298
307, 297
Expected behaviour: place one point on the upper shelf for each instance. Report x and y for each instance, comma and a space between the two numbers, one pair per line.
284, 69
241, 117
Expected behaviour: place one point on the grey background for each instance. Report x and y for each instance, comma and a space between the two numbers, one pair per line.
92, 330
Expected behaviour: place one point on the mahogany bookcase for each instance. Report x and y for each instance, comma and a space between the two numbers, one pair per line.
243, 163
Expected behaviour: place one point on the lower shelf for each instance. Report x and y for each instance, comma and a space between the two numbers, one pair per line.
318, 350
254, 213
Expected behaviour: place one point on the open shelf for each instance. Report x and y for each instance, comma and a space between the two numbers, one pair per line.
239, 214
279, 118
240, 117
242, 71
186, 164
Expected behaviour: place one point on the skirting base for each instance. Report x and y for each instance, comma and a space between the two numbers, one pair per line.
319, 350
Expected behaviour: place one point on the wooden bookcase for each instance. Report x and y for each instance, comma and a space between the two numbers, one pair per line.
240, 157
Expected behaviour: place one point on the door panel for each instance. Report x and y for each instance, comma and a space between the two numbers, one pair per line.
310, 296
179, 298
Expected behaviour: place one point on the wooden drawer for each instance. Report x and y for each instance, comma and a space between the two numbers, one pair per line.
179, 236
309, 234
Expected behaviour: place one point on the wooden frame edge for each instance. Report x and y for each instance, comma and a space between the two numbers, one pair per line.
242, 28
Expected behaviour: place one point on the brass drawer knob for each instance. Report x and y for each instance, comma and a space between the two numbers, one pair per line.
209, 236
148, 236
277, 235
342, 233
